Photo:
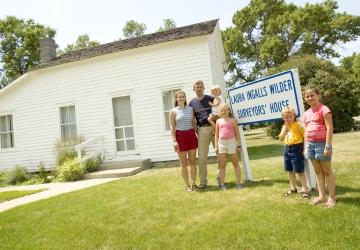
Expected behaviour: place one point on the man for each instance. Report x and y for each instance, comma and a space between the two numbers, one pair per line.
202, 110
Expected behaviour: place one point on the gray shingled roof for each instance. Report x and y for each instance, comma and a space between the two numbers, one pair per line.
193, 30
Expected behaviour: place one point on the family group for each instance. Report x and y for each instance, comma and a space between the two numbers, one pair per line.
208, 119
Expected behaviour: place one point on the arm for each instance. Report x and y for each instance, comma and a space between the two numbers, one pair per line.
237, 134
329, 133
215, 103
283, 132
172, 128
217, 136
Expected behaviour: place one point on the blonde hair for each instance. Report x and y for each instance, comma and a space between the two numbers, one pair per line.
223, 106
287, 110
216, 87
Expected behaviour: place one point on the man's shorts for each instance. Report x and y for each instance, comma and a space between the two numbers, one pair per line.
293, 158
227, 146
315, 150
186, 139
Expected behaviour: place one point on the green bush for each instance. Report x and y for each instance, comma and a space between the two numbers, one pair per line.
43, 174
70, 170
356, 125
92, 164
273, 129
17, 175
65, 149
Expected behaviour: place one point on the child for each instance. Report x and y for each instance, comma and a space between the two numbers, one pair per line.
318, 148
227, 141
292, 134
218, 100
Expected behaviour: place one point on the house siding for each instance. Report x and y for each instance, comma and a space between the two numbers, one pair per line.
91, 84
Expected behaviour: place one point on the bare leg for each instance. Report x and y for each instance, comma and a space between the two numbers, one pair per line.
212, 120
303, 181
319, 179
235, 162
292, 180
222, 159
184, 171
192, 162
329, 178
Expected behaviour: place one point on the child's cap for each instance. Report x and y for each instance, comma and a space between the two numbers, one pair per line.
287, 109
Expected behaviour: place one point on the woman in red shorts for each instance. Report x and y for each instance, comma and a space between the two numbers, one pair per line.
182, 124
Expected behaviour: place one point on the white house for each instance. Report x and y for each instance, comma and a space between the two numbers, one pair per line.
116, 95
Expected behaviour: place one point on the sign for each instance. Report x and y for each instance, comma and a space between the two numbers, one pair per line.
262, 100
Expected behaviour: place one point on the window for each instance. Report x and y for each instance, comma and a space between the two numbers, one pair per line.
6, 132
68, 123
168, 98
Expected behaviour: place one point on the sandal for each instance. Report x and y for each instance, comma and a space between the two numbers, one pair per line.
305, 195
290, 192
194, 186
188, 189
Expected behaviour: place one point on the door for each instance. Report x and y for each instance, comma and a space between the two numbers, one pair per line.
123, 125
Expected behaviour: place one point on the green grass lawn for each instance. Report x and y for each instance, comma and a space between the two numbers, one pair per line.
10, 195
152, 211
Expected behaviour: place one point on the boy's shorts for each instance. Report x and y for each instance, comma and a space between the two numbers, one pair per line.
227, 146
315, 150
293, 158
186, 139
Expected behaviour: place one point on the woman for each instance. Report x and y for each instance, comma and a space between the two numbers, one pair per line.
182, 124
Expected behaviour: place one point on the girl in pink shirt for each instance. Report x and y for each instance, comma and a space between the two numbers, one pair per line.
318, 148
227, 141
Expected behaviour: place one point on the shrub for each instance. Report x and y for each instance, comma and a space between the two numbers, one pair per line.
43, 174
65, 149
70, 170
356, 125
17, 175
273, 129
92, 164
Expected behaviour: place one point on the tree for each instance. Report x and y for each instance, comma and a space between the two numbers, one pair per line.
269, 32
351, 65
20, 46
168, 24
83, 41
337, 90
133, 29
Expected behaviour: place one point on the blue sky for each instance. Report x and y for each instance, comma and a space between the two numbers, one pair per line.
103, 20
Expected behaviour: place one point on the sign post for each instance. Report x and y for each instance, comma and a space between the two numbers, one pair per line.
262, 101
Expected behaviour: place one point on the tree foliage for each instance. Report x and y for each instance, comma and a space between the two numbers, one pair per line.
267, 33
83, 41
133, 29
20, 46
168, 24
337, 90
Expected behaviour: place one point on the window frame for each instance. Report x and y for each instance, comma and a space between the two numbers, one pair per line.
10, 131
165, 121
76, 120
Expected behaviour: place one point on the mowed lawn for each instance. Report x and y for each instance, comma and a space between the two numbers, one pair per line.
152, 211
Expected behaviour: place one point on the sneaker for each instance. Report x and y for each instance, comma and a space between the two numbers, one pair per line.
239, 186
222, 187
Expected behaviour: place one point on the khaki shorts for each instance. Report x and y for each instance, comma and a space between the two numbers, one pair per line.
227, 146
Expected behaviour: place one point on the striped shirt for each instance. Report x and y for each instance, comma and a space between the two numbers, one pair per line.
183, 118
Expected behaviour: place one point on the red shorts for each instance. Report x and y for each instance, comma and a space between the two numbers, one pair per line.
187, 140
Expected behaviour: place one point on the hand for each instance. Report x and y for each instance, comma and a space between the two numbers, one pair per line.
216, 150
176, 146
327, 152
285, 128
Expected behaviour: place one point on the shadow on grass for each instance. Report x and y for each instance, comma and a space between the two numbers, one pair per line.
265, 151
